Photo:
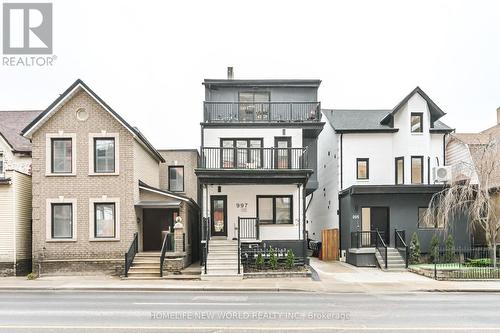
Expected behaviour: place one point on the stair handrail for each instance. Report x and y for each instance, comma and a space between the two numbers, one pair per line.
239, 245
400, 243
207, 239
380, 244
130, 254
164, 248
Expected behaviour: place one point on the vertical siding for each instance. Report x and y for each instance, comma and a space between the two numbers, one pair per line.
22, 204
7, 222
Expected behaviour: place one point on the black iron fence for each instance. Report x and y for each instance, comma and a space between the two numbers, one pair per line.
459, 263
253, 158
205, 238
261, 111
248, 228
401, 245
361, 239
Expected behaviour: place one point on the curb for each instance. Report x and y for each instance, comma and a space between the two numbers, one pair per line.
153, 289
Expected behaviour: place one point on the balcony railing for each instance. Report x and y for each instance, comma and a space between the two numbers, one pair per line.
254, 158
215, 112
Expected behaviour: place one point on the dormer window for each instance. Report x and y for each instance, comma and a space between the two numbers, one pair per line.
417, 123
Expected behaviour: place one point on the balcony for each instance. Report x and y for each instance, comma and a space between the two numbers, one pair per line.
265, 112
254, 158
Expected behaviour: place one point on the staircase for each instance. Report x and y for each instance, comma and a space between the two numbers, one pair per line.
394, 260
222, 260
146, 265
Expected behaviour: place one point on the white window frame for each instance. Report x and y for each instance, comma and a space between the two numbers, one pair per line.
104, 135
48, 219
48, 153
103, 199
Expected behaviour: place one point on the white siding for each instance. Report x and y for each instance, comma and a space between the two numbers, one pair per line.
7, 249
323, 203
22, 189
212, 136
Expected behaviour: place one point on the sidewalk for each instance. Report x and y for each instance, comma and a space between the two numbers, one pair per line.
335, 277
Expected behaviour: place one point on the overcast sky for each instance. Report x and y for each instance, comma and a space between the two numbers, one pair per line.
147, 59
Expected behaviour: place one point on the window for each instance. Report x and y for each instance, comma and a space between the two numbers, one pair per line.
423, 224
283, 154
400, 170
275, 209
417, 169
62, 220
362, 166
254, 105
104, 220
241, 153
176, 178
62, 155
417, 122
1, 165
104, 155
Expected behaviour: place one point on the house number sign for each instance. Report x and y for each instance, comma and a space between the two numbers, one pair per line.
242, 205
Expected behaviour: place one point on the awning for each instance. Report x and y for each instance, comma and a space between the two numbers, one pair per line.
159, 204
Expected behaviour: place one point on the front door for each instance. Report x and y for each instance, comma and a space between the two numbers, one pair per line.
156, 221
218, 204
283, 156
379, 220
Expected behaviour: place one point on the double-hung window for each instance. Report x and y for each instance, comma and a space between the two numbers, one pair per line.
176, 178
417, 124
62, 155
62, 220
275, 209
362, 168
104, 220
104, 155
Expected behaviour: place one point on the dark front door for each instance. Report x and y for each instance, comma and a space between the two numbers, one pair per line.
282, 155
218, 207
379, 220
155, 223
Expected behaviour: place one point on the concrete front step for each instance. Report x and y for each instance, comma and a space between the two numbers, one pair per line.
134, 270
143, 275
148, 254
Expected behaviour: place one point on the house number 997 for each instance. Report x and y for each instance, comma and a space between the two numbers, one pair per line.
241, 205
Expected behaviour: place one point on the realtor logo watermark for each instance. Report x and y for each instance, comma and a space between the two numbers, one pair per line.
27, 30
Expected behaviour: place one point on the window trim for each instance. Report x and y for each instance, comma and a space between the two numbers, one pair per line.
421, 169
400, 158
288, 140
92, 218
367, 160
436, 227
49, 154
92, 139
273, 197
183, 178
421, 116
48, 219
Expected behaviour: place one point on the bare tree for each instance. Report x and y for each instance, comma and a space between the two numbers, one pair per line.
473, 192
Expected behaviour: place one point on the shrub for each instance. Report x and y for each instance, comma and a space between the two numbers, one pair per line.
259, 261
31, 276
449, 254
290, 259
482, 262
434, 249
273, 259
414, 249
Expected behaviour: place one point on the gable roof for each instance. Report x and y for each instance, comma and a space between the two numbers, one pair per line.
11, 124
358, 120
434, 110
70, 92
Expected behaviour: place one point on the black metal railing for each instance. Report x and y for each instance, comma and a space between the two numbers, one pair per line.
205, 238
262, 112
400, 244
381, 247
248, 228
253, 158
361, 239
164, 248
130, 254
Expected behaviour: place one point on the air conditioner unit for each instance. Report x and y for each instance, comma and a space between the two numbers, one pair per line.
442, 174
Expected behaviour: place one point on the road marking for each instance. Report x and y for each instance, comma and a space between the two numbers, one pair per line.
190, 303
255, 328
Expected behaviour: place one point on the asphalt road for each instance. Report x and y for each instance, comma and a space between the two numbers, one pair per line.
73, 311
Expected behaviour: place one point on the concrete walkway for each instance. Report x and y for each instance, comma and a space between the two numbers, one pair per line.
334, 277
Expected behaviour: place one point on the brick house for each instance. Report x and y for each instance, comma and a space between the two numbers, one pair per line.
96, 191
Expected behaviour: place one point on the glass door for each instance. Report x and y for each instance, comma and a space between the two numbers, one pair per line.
218, 210
282, 157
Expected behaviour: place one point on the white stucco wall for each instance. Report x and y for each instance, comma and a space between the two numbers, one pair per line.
247, 194
212, 136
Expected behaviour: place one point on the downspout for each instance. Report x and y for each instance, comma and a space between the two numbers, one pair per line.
304, 243
341, 161
428, 170
444, 149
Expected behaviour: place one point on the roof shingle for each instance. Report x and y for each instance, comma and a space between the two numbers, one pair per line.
11, 124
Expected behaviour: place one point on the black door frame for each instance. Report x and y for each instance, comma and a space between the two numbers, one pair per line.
288, 140
224, 199
387, 233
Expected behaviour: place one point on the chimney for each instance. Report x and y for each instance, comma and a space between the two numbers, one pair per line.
498, 115
230, 73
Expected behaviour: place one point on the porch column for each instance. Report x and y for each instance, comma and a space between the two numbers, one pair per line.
178, 237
